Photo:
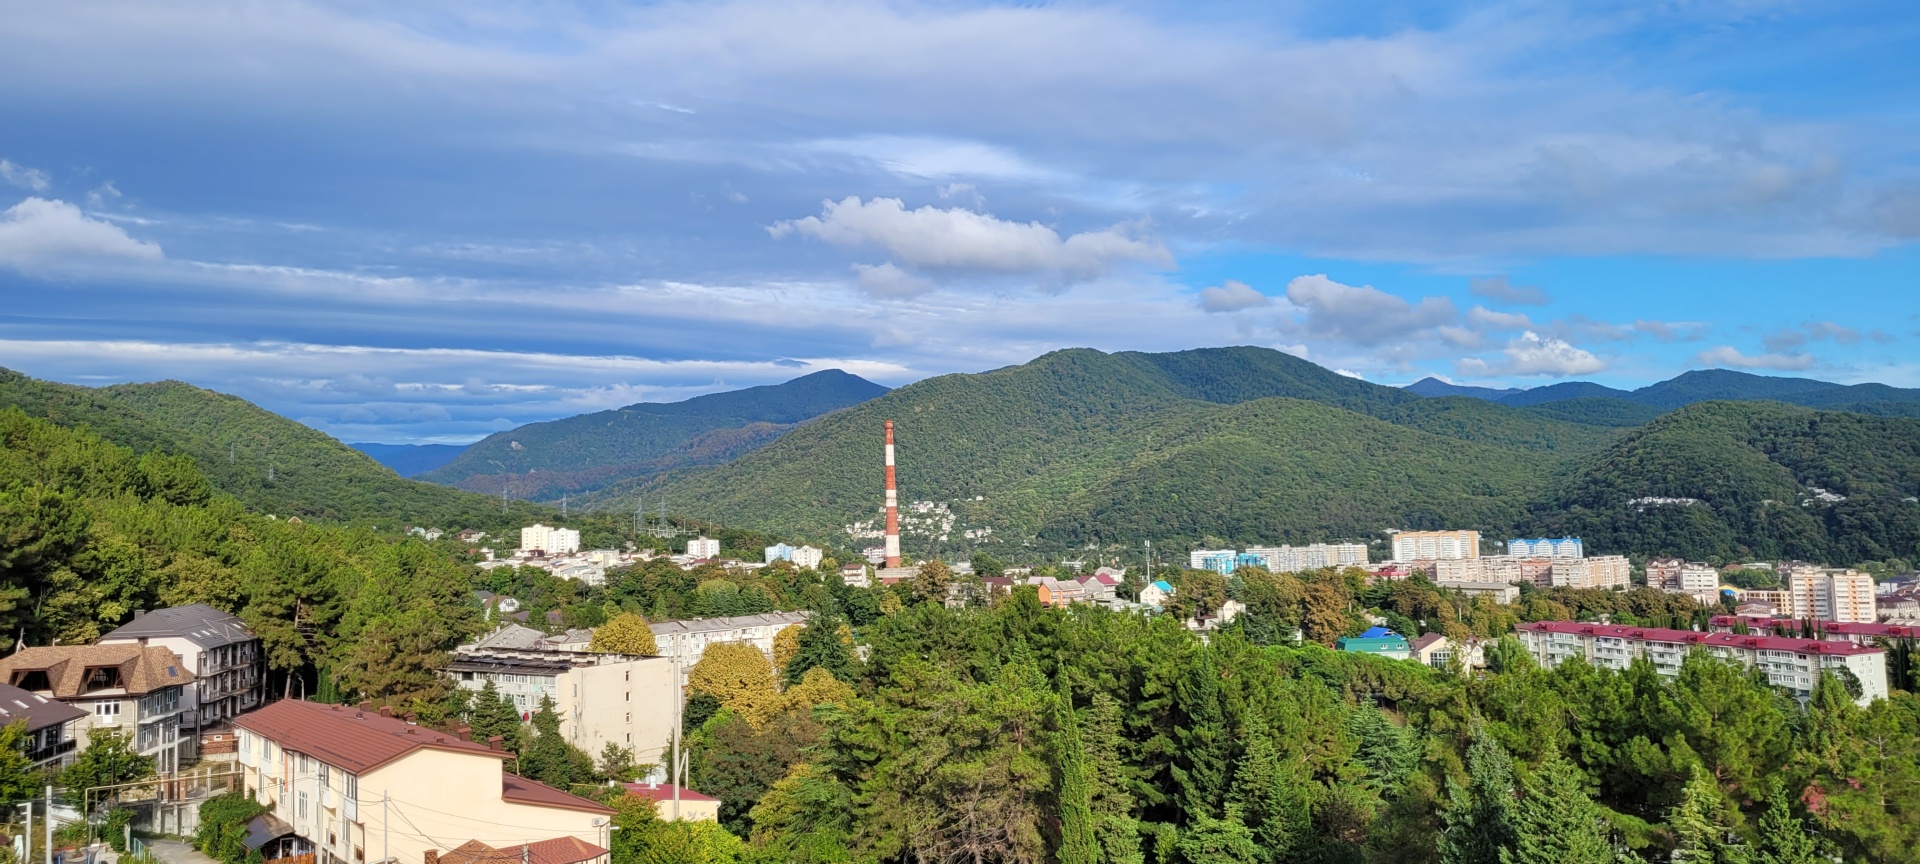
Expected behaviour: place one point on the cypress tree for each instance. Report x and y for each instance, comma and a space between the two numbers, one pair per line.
1555, 822
1103, 742
1479, 813
1075, 789
1784, 838
1272, 799
1700, 836
1201, 771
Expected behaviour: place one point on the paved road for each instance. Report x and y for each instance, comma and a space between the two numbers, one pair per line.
176, 852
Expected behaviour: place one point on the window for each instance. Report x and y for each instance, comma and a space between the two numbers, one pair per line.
303, 805
353, 788
108, 713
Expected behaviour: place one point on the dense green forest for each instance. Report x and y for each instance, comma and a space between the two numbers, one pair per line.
543, 460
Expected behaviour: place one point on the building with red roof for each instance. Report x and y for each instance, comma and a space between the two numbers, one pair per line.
1792, 664
694, 807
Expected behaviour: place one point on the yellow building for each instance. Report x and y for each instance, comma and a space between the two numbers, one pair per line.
353, 786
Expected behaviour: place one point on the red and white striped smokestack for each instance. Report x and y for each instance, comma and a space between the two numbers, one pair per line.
893, 506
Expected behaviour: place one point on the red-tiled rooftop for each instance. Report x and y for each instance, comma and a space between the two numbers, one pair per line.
520, 790
664, 792
349, 738
559, 850
1852, 628
1689, 637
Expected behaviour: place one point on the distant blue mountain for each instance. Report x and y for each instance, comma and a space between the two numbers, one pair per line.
408, 460
1702, 385
1434, 388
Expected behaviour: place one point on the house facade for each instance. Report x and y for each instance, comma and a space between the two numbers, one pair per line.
136, 690
687, 639
600, 699
228, 662
49, 724
1792, 664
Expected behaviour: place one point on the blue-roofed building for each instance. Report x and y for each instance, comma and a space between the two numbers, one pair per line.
1249, 559
1156, 594
1376, 640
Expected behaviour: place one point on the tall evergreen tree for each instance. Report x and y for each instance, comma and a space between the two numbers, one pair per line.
491, 713
1784, 838
820, 645
1555, 822
1388, 752
1479, 813
1273, 800
1077, 845
1204, 754
1699, 834
1112, 798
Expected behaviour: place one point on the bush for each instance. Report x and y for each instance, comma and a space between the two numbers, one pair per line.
223, 826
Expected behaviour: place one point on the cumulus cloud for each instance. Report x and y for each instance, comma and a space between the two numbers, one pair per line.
961, 239
1501, 290
1363, 314
1534, 354
38, 233
1232, 296
26, 178
887, 280
1727, 355
1486, 319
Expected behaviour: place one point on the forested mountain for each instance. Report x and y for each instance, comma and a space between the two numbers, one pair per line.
545, 460
408, 460
1704, 385
1755, 471
270, 463
1081, 446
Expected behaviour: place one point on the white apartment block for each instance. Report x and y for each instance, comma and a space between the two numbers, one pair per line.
600, 699
687, 639
808, 557
1832, 595
1675, 576
1543, 547
1297, 559
553, 541
1792, 664
703, 548
1600, 571
1435, 545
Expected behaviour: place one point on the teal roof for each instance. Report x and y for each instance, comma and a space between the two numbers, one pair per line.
1381, 645
1162, 585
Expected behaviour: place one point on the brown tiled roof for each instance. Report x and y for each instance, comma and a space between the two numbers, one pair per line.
357, 741
520, 790
559, 850
143, 669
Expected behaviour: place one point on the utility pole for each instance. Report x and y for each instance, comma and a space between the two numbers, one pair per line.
26, 837
386, 854
49, 820
679, 697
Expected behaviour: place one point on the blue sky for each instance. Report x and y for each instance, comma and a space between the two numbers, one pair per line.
430, 224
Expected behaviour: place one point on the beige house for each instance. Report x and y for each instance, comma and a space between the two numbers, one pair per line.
351, 786
693, 806
136, 690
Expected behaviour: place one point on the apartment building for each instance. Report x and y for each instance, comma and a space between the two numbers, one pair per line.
1220, 561
49, 724
137, 690
1600, 571
553, 541
1542, 547
1827, 594
1296, 559
1792, 664
228, 663
600, 699
687, 639
805, 557
1676, 576
703, 548
351, 785
1500, 592
1435, 545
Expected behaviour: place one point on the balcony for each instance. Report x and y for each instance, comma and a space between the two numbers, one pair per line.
53, 752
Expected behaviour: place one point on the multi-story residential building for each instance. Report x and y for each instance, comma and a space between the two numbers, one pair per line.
687, 639
703, 548
600, 698
1435, 545
50, 741
228, 663
1218, 560
553, 541
1060, 592
808, 557
854, 575
1832, 594
1792, 664
1103, 587
779, 552
1600, 571
136, 690
1542, 547
1296, 559
352, 785
1676, 576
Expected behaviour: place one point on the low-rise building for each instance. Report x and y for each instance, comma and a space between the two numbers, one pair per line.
1500, 592
1156, 594
133, 689
1792, 664
352, 785
687, 638
693, 806
600, 699
1102, 587
229, 665
559, 850
1060, 592
703, 548
854, 575
49, 725
1376, 640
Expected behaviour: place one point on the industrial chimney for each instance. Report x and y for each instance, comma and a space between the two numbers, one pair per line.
893, 506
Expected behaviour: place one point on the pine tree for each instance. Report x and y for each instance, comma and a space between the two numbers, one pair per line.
1700, 836
1218, 841
1200, 772
1388, 752
491, 713
1784, 838
1075, 789
819, 645
1274, 800
1555, 822
1479, 813
1112, 799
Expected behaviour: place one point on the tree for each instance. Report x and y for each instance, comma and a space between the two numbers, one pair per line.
223, 826
109, 760
1783, 837
1479, 813
986, 565
491, 713
617, 763
1200, 769
821, 644
18, 779
786, 644
1700, 836
1110, 795
548, 757
931, 583
1077, 845
1218, 841
1555, 822
738, 675
1273, 800
625, 633
818, 687
1387, 751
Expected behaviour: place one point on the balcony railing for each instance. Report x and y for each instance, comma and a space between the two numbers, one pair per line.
45, 753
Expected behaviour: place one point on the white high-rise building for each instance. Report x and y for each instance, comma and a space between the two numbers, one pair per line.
808, 557
1545, 547
1296, 559
1832, 595
703, 547
553, 541
1435, 545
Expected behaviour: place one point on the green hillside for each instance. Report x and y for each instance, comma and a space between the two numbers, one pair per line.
270, 463
1753, 467
1597, 411
1082, 446
544, 460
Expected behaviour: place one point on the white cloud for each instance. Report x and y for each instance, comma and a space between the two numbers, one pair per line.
1500, 290
936, 158
1486, 319
38, 233
1232, 296
1672, 331
887, 280
1534, 354
31, 179
1363, 314
1727, 355
960, 239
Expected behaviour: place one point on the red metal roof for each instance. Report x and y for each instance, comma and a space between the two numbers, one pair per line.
1689, 637
664, 792
520, 790
349, 738
559, 850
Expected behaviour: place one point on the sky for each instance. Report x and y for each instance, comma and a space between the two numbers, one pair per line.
427, 222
